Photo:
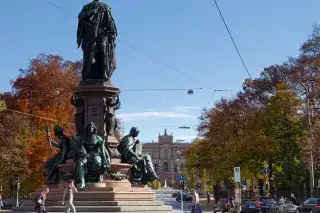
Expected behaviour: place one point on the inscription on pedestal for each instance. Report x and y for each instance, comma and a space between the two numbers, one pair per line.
94, 115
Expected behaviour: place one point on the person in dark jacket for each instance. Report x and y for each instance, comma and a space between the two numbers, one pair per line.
293, 199
40, 201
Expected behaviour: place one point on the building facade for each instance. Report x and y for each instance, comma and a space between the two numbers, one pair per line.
167, 157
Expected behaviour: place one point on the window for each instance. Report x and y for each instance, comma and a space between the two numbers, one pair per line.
310, 201
165, 167
166, 153
156, 167
175, 167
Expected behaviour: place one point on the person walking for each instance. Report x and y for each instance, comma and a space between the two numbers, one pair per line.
68, 196
293, 199
1, 202
208, 198
40, 199
195, 201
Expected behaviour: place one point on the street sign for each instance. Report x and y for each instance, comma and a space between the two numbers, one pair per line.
266, 170
237, 176
181, 178
244, 187
244, 182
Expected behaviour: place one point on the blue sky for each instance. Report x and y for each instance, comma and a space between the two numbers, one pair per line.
186, 34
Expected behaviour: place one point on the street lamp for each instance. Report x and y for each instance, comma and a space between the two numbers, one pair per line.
18, 188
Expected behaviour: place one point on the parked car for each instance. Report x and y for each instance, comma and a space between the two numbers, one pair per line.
311, 205
8, 204
288, 207
249, 206
262, 204
176, 194
185, 197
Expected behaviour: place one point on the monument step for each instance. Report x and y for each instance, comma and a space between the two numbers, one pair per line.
100, 203
101, 189
107, 196
99, 208
165, 211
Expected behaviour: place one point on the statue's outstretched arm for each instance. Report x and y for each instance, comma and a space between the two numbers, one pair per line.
55, 144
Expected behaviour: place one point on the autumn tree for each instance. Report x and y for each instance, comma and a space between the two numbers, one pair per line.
42, 92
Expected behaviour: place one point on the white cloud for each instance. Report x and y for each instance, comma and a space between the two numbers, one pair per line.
186, 138
151, 115
185, 108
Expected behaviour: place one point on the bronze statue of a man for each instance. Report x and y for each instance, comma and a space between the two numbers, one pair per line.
142, 171
96, 35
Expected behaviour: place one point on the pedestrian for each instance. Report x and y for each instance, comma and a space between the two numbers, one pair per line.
208, 198
40, 200
68, 196
293, 199
1, 203
281, 201
195, 201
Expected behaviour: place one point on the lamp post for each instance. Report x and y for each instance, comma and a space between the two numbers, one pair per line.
310, 143
178, 169
18, 188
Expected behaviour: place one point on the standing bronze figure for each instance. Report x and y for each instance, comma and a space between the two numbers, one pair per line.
96, 35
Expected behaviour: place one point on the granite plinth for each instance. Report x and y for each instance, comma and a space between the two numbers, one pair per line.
116, 196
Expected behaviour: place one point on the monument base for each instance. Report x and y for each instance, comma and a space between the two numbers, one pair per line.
115, 196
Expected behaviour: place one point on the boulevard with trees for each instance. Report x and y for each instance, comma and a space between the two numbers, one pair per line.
273, 122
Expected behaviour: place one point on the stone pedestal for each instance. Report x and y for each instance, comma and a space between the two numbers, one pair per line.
93, 106
114, 196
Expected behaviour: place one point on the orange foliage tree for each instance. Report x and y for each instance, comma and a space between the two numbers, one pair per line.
43, 90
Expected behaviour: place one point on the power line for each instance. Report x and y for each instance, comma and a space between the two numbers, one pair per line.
234, 43
162, 89
37, 116
134, 48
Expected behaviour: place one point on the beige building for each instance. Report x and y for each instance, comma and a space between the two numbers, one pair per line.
167, 156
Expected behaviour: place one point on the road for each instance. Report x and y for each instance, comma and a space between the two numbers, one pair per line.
166, 197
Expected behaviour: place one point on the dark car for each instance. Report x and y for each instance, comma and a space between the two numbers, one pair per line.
8, 204
311, 205
260, 204
249, 206
185, 197
176, 194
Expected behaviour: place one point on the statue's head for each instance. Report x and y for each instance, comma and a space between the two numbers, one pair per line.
58, 131
134, 132
91, 128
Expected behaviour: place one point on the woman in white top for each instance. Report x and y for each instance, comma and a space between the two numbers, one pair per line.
195, 201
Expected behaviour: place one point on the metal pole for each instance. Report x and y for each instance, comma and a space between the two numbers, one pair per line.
18, 186
310, 144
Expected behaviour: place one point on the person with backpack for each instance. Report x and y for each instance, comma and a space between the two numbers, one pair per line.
40, 201
68, 196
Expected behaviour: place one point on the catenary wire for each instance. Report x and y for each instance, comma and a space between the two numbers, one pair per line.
55, 120
231, 37
135, 48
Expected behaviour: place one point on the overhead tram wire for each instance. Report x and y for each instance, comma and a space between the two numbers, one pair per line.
134, 48
65, 122
37, 116
231, 37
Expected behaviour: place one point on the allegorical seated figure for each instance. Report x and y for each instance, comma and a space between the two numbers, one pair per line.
92, 159
50, 169
142, 170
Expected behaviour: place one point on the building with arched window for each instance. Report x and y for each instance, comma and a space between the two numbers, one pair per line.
166, 158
